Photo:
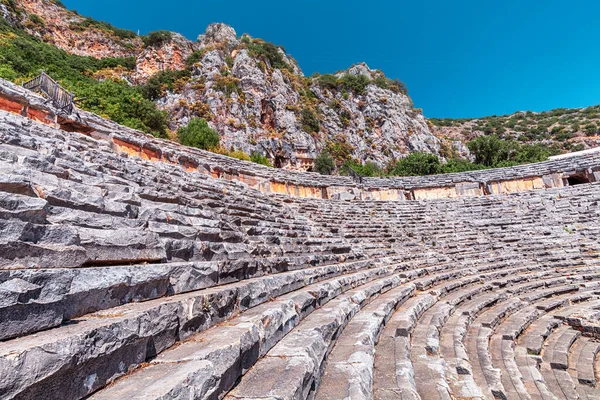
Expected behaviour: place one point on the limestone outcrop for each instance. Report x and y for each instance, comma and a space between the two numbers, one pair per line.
70, 31
252, 92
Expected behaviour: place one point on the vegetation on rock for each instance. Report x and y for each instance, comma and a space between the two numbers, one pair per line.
198, 134
157, 38
552, 128
324, 164
267, 51
23, 57
105, 26
260, 159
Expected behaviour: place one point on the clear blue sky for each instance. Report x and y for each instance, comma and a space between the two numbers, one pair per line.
461, 58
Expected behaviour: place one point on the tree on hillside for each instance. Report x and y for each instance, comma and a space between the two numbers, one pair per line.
198, 134
416, 164
489, 150
324, 164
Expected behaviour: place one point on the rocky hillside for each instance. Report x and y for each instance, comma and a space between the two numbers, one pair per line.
562, 128
258, 99
51, 22
250, 91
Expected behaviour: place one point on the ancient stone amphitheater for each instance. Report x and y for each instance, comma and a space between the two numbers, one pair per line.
133, 268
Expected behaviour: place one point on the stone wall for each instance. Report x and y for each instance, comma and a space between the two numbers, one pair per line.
548, 174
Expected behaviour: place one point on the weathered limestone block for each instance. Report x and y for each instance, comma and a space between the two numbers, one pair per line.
468, 189
30, 209
121, 246
65, 294
17, 184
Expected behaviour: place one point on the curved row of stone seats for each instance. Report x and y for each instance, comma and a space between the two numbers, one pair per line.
193, 312
141, 230
158, 366
462, 228
432, 358
350, 357
545, 174
82, 356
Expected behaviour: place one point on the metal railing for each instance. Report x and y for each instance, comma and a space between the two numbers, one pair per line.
44, 84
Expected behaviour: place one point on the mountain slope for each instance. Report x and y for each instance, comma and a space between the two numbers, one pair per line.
563, 129
251, 92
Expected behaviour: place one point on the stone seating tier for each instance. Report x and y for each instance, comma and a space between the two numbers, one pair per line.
124, 277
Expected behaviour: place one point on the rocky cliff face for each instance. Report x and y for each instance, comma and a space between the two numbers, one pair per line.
251, 92
71, 32
263, 104
170, 55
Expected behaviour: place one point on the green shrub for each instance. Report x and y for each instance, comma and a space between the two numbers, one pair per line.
238, 154
194, 58
398, 86
328, 81
36, 19
260, 159
310, 122
591, 129
156, 86
369, 169
531, 153
198, 134
267, 51
381, 82
416, 164
227, 85
339, 149
355, 83
563, 136
157, 38
324, 164
489, 150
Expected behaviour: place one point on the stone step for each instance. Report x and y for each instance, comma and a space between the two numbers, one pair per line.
135, 333
522, 377
60, 295
293, 367
584, 364
349, 369
560, 351
231, 349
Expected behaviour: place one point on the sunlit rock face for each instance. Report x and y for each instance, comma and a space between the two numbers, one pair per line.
258, 107
252, 92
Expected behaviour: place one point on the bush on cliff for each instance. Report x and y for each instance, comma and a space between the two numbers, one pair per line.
416, 164
324, 164
198, 134
369, 169
267, 51
355, 83
310, 122
156, 86
489, 150
157, 38
260, 159
492, 151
